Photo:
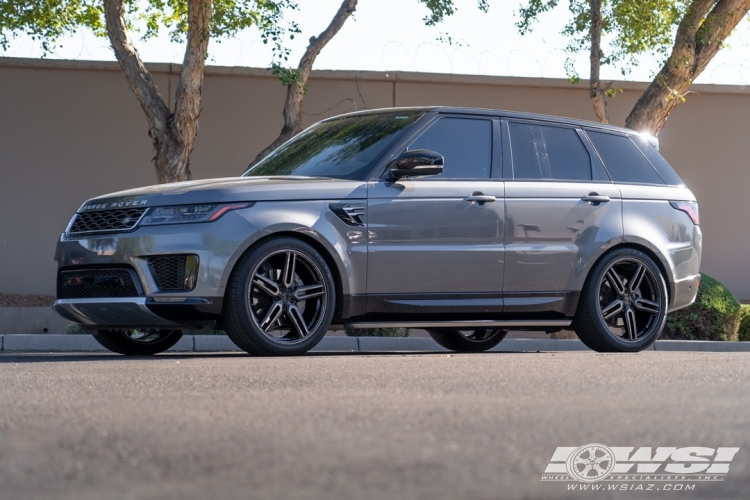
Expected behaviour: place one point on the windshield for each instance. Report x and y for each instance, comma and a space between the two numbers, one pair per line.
344, 148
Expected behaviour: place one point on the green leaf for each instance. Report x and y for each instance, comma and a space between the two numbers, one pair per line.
630, 28
50, 20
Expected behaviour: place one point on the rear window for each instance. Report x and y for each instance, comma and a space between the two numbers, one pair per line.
543, 152
657, 160
623, 160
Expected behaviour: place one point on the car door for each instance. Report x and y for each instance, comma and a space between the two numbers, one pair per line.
561, 210
432, 246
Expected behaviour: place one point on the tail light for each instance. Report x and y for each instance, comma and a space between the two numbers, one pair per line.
689, 207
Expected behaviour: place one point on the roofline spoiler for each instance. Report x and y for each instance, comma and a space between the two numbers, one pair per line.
654, 141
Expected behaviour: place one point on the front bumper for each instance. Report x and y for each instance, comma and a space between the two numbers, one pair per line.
111, 312
218, 245
138, 312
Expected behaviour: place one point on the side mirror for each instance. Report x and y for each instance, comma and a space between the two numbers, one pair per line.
418, 163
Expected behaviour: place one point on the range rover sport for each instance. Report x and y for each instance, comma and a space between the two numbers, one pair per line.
465, 222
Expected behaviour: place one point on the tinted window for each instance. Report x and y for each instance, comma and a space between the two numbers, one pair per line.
465, 143
345, 148
623, 160
657, 160
542, 152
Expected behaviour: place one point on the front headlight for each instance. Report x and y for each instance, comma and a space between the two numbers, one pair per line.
183, 214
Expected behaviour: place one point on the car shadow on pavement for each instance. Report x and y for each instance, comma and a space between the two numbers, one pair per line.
51, 357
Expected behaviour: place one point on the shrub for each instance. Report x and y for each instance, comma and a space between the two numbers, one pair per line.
744, 330
715, 315
214, 332
76, 329
378, 332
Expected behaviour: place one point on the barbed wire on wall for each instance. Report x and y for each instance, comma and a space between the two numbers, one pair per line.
354, 104
554, 71
546, 67
742, 68
394, 56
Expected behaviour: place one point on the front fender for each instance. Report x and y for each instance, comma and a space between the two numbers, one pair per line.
346, 246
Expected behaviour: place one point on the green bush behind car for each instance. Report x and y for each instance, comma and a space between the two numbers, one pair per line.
744, 330
715, 315
378, 332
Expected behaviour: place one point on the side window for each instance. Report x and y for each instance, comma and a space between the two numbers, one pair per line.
623, 160
466, 144
657, 160
545, 152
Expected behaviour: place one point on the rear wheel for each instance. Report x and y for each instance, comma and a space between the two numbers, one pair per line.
136, 342
623, 306
280, 299
467, 340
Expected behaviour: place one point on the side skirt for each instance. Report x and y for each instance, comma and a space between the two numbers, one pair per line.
518, 305
501, 324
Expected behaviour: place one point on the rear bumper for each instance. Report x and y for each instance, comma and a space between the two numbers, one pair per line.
684, 292
138, 312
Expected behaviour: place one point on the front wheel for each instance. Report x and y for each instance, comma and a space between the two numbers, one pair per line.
479, 340
280, 299
135, 342
623, 306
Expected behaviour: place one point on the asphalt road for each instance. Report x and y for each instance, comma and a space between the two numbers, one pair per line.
360, 426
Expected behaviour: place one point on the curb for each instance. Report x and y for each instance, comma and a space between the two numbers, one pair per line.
220, 343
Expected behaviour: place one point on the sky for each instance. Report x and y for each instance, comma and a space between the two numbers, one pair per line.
389, 35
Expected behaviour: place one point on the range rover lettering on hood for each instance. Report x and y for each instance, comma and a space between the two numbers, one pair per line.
113, 204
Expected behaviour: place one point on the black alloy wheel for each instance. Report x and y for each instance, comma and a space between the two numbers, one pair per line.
134, 342
280, 299
478, 340
623, 307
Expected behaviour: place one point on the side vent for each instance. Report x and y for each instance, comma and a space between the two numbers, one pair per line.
350, 213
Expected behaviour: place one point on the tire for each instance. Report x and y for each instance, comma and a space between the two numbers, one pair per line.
138, 343
467, 340
623, 305
280, 299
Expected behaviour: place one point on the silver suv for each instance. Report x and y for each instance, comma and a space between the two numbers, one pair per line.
465, 222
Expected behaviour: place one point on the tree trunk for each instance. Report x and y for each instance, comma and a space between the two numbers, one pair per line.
595, 89
172, 133
295, 91
700, 35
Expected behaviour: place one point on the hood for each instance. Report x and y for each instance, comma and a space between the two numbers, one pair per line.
231, 189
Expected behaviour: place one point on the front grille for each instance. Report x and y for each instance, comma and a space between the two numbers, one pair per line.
174, 272
95, 284
121, 219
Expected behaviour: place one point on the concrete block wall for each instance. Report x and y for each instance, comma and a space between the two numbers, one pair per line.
71, 130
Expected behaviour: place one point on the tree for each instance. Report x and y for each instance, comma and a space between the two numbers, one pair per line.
633, 28
296, 80
595, 85
172, 131
700, 35
687, 34
440, 9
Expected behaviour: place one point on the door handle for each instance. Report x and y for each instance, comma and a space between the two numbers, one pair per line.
479, 198
595, 198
